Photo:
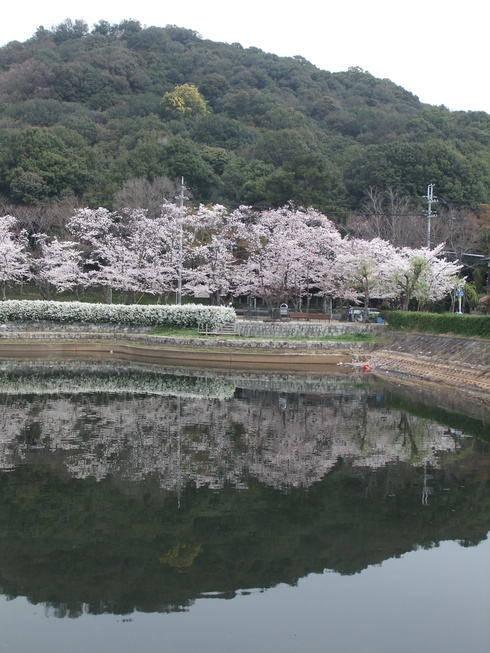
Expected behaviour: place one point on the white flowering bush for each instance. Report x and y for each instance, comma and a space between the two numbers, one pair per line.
188, 316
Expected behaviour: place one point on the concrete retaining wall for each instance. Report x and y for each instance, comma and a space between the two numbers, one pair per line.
245, 328
304, 329
208, 358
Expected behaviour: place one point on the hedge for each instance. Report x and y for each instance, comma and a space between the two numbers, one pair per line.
449, 323
188, 316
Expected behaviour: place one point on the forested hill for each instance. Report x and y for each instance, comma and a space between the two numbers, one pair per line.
91, 115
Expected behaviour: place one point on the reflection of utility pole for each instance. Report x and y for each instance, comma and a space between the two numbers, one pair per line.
430, 201
426, 490
181, 198
179, 433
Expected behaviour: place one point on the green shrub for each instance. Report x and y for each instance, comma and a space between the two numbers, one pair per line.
450, 323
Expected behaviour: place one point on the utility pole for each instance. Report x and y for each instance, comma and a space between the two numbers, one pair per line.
181, 198
182, 195
430, 201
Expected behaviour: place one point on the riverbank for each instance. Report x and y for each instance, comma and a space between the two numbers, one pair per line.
439, 366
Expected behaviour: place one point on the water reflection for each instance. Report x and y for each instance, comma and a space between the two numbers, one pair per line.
130, 489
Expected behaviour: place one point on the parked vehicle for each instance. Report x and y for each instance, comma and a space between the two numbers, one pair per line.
372, 315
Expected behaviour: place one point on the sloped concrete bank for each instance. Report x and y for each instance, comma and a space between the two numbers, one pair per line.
472, 352
442, 367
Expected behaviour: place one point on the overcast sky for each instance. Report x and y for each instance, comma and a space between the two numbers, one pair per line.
434, 49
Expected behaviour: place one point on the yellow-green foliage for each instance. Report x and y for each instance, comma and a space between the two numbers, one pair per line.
181, 555
183, 100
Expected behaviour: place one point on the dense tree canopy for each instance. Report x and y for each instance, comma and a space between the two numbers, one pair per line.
84, 110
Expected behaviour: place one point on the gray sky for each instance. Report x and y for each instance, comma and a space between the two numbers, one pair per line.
434, 49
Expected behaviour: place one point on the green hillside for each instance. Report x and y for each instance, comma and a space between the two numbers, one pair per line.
97, 117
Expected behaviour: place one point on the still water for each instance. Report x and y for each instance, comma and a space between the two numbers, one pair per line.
175, 511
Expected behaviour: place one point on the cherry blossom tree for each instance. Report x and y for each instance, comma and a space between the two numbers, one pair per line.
271, 269
14, 259
103, 234
280, 255
131, 252
58, 266
215, 251
423, 274
89, 226
164, 245
326, 244
288, 249
409, 274
364, 270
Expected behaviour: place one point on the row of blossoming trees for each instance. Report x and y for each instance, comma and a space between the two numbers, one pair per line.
282, 255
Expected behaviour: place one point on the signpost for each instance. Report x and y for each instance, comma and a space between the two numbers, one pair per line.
459, 294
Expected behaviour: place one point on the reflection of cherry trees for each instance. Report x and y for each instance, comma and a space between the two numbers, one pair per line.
283, 440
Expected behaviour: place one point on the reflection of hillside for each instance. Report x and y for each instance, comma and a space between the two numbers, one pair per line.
106, 547
456, 414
